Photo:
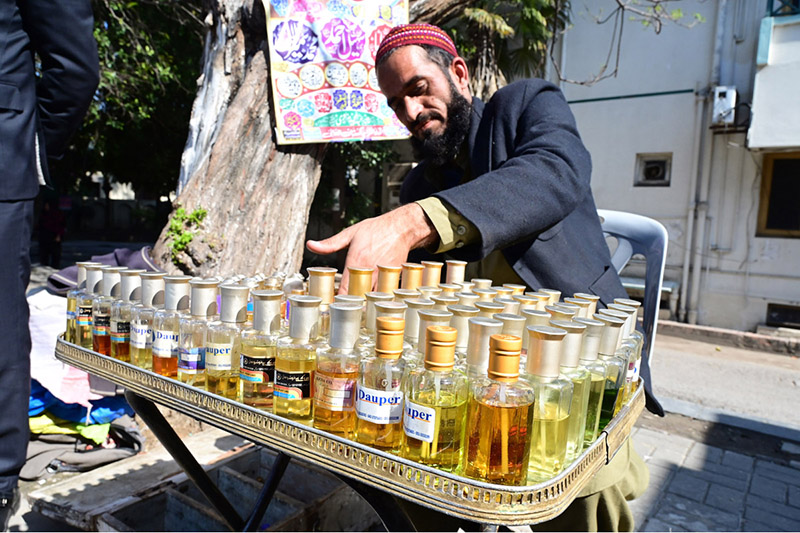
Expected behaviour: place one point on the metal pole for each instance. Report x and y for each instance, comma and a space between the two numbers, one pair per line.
275, 475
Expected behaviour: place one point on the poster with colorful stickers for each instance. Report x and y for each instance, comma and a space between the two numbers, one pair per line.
322, 69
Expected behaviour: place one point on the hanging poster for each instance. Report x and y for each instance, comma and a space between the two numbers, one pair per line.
322, 69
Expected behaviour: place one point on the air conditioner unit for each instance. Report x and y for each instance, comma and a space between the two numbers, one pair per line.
724, 113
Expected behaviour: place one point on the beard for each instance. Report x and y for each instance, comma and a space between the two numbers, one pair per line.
443, 147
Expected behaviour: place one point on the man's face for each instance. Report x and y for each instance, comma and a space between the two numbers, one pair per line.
428, 102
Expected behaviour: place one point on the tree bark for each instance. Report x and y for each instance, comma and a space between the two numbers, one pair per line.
257, 194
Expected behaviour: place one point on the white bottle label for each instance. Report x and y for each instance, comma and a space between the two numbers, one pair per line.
141, 336
165, 344
379, 407
419, 422
334, 394
218, 357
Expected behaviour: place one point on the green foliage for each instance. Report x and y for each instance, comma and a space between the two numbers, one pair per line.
179, 229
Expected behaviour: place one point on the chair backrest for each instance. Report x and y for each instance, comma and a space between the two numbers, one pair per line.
637, 234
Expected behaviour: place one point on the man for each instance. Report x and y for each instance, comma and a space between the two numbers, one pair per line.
36, 118
504, 185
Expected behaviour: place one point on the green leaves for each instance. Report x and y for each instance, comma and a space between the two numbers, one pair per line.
179, 233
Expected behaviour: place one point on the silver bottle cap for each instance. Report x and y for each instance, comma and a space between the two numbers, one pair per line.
369, 313
204, 297
401, 295
583, 306
466, 286
390, 308
345, 325
233, 306
611, 333
349, 299
412, 318
449, 289
460, 321
81, 281
485, 295
112, 281
480, 283
152, 289
510, 305
442, 302
131, 285
428, 291
553, 294
267, 310
480, 329
176, 293
560, 313
534, 317
512, 324
94, 279
455, 271
525, 302
488, 309
627, 328
467, 298
430, 317
631, 315
573, 342
304, 319
544, 351
591, 337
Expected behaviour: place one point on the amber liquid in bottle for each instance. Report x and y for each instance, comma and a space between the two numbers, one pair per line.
335, 414
101, 340
293, 396
257, 374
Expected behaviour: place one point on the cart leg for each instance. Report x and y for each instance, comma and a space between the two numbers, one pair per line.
275, 475
175, 447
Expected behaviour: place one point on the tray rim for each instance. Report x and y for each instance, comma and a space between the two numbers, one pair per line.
452, 494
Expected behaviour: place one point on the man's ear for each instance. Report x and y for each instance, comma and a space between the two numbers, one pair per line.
460, 75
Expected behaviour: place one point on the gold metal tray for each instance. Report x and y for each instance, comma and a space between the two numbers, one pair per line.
455, 495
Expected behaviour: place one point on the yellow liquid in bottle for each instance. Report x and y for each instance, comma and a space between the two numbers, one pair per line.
577, 417
293, 395
72, 312
334, 390
596, 388
445, 452
548, 445
256, 374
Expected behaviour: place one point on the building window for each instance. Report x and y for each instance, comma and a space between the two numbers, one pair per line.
652, 170
779, 207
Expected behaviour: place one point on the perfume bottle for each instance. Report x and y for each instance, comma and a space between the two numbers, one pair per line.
449, 289
592, 299
510, 305
142, 319
583, 305
485, 295
598, 370
166, 323
259, 347
441, 303
337, 373
581, 380
224, 343
192, 331
427, 292
502, 292
455, 271
477, 356
633, 341
553, 295
71, 333
414, 357
436, 404
366, 338
412, 319
101, 310
626, 349
617, 365
460, 321
379, 401
467, 298
388, 278
295, 361
500, 418
321, 281
83, 322
525, 302
557, 312
553, 402
411, 276
637, 336
512, 324
488, 309
516, 289
131, 291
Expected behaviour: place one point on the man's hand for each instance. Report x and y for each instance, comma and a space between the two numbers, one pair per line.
384, 240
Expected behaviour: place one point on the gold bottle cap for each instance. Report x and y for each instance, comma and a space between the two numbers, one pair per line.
480, 283
321, 282
460, 321
359, 281
591, 337
553, 294
485, 295
233, 308
502, 292
94, 278
440, 347
112, 279
560, 313
512, 324
455, 271
430, 317
266, 310
449, 289
504, 352
432, 273
515, 288
388, 278
467, 298
428, 292
488, 309
573, 341
442, 302
510, 305
401, 295
627, 301
204, 297
389, 338
544, 351
131, 285
412, 276
152, 289
176, 292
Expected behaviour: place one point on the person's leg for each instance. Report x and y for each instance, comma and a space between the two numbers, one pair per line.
16, 221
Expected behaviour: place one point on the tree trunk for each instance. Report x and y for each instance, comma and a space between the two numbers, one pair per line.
257, 194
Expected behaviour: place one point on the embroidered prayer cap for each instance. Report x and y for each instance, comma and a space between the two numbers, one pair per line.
406, 34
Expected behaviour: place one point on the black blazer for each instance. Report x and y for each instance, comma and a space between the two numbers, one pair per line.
46, 112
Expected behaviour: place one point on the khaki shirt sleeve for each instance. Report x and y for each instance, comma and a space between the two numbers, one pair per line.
454, 230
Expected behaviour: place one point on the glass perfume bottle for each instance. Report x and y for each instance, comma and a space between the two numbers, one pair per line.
581, 380
500, 418
83, 321
379, 401
142, 319
412, 319
366, 338
71, 333
321, 281
477, 357
165, 325
598, 370
259, 346
637, 337
295, 362
224, 342
337, 373
617, 365
131, 291
101, 310
553, 402
193, 331
436, 404
632, 342
414, 357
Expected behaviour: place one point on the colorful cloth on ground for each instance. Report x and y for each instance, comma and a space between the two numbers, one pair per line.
48, 424
100, 411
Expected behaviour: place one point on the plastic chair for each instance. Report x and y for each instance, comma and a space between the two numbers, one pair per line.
637, 234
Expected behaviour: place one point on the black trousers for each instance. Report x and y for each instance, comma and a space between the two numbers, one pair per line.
16, 224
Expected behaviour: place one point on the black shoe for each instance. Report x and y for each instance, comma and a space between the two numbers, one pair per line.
9, 504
